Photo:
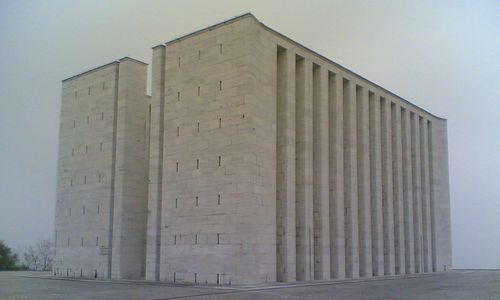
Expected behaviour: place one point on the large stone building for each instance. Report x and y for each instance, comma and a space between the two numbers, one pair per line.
254, 160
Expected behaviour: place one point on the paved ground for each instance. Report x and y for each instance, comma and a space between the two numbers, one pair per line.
463, 284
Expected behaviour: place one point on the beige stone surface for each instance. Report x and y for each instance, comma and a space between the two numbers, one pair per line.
254, 160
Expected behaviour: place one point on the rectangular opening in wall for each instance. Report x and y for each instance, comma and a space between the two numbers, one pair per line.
196, 201
176, 167
220, 48
217, 278
195, 277
98, 208
178, 96
220, 85
218, 238
195, 239
197, 164
175, 239
218, 199
178, 130
220, 160
97, 241
199, 88
220, 122
176, 201
198, 127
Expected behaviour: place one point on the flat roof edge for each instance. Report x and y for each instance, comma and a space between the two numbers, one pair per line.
104, 66
346, 69
211, 27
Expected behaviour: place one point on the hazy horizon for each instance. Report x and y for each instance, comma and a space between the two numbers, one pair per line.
442, 56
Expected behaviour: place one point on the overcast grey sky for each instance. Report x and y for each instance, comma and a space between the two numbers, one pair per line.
442, 55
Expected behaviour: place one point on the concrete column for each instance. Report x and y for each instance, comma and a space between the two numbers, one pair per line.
320, 174
377, 227
363, 165
155, 165
286, 258
336, 166
407, 192
417, 200
387, 188
426, 217
397, 193
350, 180
304, 176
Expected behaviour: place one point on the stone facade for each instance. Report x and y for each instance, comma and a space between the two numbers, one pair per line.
254, 160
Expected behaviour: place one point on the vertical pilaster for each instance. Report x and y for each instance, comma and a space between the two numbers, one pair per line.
336, 166
304, 176
155, 165
426, 217
350, 180
387, 188
320, 174
286, 258
397, 193
363, 166
377, 227
417, 200
441, 195
407, 192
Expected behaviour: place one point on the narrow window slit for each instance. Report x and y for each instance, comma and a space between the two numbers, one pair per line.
197, 164
220, 160
218, 199
199, 88
176, 167
196, 201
